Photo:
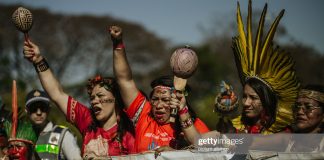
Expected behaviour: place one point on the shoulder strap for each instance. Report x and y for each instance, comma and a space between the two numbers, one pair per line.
61, 130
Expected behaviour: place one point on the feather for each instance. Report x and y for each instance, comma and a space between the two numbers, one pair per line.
272, 31
240, 27
249, 37
14, 110
258, 39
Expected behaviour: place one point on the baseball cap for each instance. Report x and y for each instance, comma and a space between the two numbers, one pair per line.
37, 96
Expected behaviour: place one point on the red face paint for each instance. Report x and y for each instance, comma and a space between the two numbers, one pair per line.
18, 150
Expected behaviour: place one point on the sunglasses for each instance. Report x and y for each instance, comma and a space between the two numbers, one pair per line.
42, 106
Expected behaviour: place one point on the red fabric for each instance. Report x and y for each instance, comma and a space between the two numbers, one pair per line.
200, 126
95, 142
148, 133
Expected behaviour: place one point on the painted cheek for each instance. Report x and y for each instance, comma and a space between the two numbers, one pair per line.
19, 153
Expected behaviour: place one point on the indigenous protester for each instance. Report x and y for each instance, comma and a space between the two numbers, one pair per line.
106, 130
54, 141
309, 110
21, 135
307, 128
21, 141
268, 77
309, 119
151, 116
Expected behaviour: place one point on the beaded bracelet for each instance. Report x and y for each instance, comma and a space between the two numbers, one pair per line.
184, 110
187, 123
41, 66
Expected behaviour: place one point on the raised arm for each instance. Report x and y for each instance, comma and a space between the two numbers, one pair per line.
178, 100
122, 70
45, 74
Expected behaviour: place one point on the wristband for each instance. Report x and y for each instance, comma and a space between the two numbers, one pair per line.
184, 110
41, 66
118, 45
187, 123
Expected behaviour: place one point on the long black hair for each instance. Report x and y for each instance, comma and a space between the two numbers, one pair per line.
268, 99
110, 84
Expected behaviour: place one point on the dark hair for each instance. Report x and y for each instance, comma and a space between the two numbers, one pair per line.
168, 82
268, 99
31, 151
110, 84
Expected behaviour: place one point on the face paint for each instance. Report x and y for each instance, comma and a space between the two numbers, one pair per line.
107, 100
18, 150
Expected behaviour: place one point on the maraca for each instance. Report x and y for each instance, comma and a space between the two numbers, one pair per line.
183, 63
23, 20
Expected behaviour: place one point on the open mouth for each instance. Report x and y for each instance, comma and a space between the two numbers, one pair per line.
159, 114
96, 110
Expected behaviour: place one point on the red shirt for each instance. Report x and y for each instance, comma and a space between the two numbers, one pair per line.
99, 143
148, 133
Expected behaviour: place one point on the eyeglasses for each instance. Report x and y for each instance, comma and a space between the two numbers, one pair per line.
34, 107
308, 108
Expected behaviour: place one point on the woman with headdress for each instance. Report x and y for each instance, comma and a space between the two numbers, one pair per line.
105, 128
268, 78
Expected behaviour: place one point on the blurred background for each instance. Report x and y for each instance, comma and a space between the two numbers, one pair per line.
73, 37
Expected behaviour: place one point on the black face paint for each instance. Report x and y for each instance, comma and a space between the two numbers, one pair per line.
107, 100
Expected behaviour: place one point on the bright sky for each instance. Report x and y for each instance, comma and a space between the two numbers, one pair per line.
178, 20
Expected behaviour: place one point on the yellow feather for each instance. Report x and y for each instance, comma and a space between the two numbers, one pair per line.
258, 39
271, 32
240, 27
249, 37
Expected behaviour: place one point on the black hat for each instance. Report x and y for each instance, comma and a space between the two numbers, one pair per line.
37, 96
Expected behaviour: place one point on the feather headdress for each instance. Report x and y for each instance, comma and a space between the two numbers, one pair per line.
19, 130
270, 65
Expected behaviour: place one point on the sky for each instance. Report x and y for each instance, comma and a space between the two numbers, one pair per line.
179, 21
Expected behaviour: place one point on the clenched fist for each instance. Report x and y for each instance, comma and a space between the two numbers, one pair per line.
31, 52
116, 33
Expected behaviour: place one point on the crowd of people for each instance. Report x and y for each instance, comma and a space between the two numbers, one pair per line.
122, 120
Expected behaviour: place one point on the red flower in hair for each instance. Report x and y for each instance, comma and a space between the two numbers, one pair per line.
98, 78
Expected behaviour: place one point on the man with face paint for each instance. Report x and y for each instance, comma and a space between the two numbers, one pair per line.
150, 116
21, 144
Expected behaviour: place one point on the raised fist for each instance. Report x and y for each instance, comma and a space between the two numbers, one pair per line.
116, 33
31, 52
